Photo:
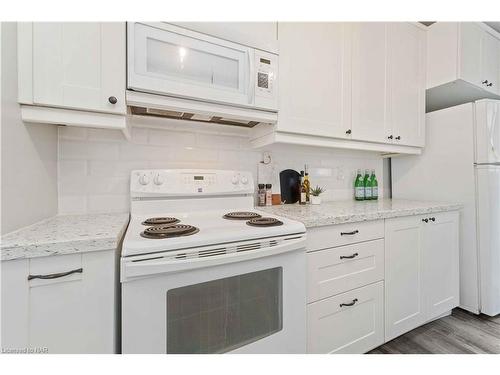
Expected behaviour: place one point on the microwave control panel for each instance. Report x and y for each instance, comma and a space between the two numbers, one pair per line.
267, 75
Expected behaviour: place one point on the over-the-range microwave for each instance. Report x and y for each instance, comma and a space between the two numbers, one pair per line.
172, 61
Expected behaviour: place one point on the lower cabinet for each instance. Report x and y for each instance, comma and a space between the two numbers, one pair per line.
396, 275
351, 322
60, 304
421, 270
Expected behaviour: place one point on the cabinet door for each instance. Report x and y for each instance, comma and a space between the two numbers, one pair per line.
369, 91
440, 260
404, 302
79, 65
406, 68
350, 323
314, 80
470, 52
490, 63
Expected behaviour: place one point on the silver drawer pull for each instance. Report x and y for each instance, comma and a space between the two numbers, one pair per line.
349, 233
54, 275
350, 303
349, 256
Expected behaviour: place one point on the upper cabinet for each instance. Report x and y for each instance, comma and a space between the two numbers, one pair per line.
463, 64
406, 84
351, 85
261, 35
72, 73
369, 78
314, 79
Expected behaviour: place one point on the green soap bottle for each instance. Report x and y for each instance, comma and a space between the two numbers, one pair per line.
359, 187
367, 183
374, 184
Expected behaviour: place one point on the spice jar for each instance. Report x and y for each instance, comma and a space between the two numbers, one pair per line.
262, 195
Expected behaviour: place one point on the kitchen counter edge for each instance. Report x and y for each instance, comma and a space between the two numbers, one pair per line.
65, 234
333, 213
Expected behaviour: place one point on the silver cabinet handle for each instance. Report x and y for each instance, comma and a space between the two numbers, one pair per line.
349, 233
349, 303
349, 256
54, 275
112, 100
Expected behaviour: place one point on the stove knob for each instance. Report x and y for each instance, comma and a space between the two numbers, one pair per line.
144, 179
244, 180
234, 180
158, 180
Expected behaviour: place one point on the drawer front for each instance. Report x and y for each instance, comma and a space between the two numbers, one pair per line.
333, 327
344, 234
54, 270
339, 269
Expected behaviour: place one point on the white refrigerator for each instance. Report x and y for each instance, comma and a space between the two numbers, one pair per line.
461, 162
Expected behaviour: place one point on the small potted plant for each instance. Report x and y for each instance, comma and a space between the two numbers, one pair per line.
315, 195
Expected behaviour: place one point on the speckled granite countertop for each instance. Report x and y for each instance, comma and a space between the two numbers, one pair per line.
65, 234
328, 213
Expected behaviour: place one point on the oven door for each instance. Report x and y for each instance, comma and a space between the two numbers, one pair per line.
166, 59
252, 304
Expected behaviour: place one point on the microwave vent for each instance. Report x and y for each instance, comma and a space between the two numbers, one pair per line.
190, 116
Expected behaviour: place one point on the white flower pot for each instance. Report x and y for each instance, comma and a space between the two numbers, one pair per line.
315, 199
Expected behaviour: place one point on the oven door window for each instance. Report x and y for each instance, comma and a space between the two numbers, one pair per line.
222, 315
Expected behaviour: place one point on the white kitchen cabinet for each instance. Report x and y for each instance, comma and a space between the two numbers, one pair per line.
61, 304
463, 64
388, 83
490, 63
335, 270
369, 82
441, 263
314, 81
479, 56
72, 73
404, 296
351, 322
350, 85
421, 270
406, 84
261, 35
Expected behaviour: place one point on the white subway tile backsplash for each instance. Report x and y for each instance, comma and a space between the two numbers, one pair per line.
72, 204
100, 135
72, 168
114, 168
172, 138
95, 165
98, 203
72, 133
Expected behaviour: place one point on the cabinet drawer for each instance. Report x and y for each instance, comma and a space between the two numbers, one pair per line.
344, 234
336, 270
333, 327
53, 270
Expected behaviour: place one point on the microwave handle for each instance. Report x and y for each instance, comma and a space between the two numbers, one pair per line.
251, 78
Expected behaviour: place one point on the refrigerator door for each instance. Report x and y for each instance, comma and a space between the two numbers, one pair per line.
488, 132
488, 227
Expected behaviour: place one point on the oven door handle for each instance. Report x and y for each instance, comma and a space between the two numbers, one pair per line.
159, 265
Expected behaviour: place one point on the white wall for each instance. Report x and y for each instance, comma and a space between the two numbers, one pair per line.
28, 152
94, 165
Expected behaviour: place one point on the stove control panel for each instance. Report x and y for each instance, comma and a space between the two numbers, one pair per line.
190, 182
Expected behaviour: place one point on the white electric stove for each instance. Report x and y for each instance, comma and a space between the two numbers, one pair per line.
203, 271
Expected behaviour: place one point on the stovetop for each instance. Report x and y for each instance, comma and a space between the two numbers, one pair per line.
212, 227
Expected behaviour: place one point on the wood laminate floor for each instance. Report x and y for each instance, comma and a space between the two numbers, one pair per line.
459, 333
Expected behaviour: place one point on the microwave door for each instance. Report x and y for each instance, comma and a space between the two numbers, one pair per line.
168, 60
